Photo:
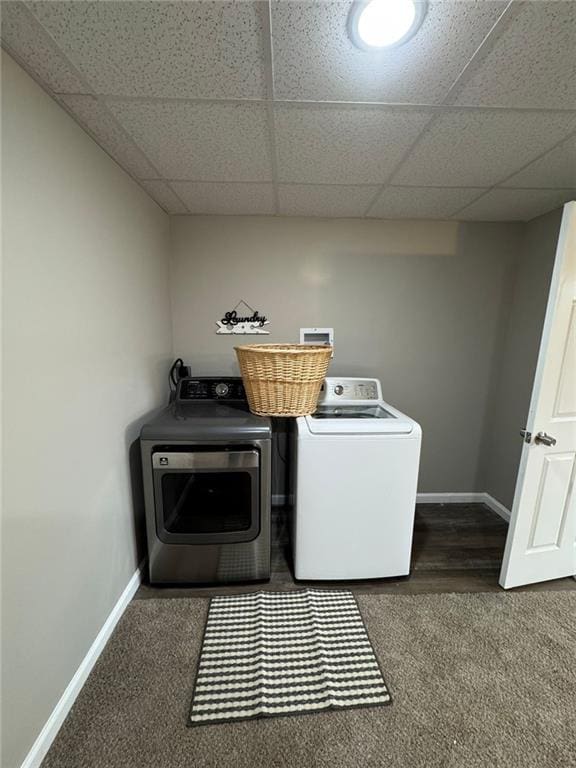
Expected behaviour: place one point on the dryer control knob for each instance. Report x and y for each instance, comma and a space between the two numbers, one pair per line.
221, 389
338, 389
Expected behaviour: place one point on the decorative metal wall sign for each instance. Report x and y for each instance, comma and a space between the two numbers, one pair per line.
243, 320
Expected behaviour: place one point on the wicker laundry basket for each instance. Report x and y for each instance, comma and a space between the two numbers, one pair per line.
283, 379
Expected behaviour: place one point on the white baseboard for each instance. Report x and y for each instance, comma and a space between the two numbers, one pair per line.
54, 722
450, 498
497, 507
279, 500
465, 498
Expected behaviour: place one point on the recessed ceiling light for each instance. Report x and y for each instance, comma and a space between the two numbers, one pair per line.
375, 24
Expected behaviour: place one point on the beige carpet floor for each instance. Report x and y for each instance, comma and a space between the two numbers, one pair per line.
477, 680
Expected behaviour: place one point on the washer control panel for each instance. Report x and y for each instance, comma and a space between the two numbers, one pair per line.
349, 390
207, 388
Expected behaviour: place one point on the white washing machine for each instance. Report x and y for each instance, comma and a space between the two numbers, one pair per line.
356, 461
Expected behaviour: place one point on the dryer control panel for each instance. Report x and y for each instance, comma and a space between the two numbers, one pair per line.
349, 390
207, 388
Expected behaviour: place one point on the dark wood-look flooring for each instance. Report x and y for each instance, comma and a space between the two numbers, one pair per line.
457, 548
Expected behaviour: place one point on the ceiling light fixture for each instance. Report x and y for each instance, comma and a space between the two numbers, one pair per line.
376, 24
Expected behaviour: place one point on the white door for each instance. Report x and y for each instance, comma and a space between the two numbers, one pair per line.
541, 543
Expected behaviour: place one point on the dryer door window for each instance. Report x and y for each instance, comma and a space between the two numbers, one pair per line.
207, 502
207, 497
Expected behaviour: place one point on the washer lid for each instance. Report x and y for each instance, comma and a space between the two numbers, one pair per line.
371, 418
352, 412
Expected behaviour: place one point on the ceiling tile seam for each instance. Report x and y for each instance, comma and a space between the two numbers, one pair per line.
259, 182
436, 186
399, 164
176, 99
86, 128
567, 138
408, 218
499, 184
26, 67
502, 221
462, 208
232, 215
196, 180
160, 205
419, 107
502, 23
301, 216
455, 108
268, 51
56, 48
52, 42
524, 188
84, 94
373, 200
127, 136
273, 158
304, 103
177, 196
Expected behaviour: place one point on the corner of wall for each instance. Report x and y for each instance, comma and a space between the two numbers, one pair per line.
516, 355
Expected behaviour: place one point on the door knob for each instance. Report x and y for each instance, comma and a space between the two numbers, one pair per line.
543, 439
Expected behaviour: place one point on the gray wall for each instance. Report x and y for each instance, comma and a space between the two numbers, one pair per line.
418, 304
515, 365
86, 344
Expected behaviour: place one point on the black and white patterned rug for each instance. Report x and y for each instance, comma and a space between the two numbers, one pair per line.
284, 653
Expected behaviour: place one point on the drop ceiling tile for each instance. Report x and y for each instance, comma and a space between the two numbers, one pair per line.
315, 59
533, 62
200, 142
515, 204
167, 49
421, 202
324, 200
343, 145
480, 148
555, 169
164, 196
93, 115
235, 199
24, 37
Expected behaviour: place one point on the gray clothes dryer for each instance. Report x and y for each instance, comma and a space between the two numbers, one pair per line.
207, 485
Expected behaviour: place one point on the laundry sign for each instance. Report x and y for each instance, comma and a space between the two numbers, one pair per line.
243, 320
